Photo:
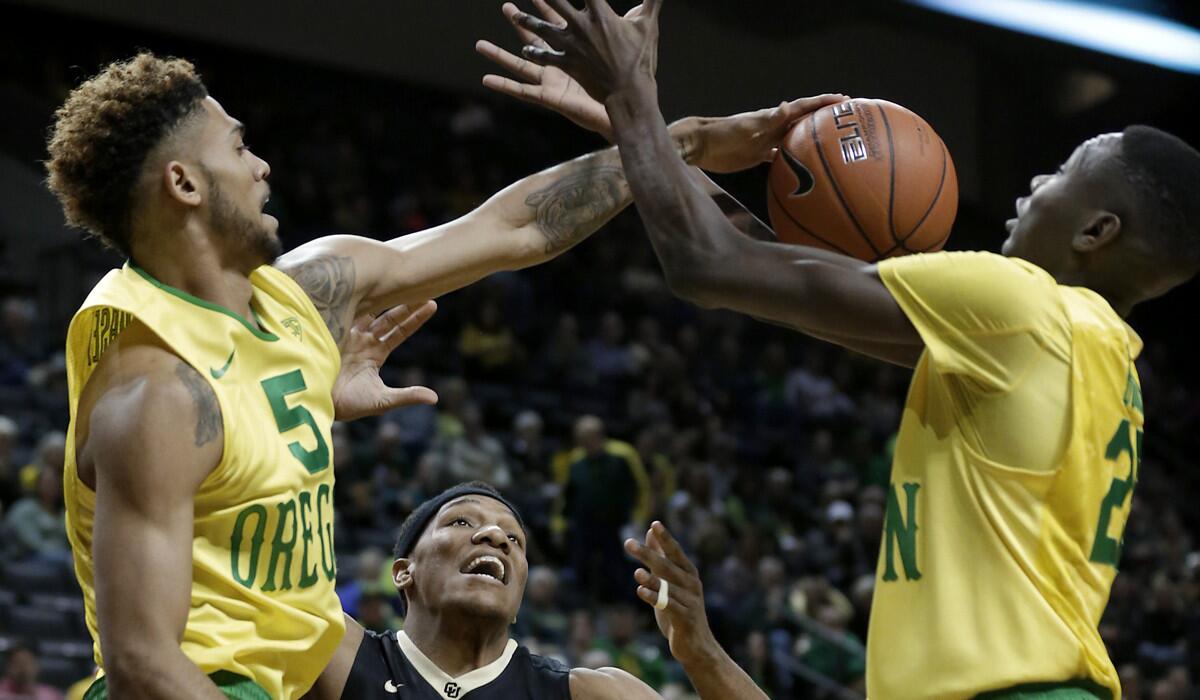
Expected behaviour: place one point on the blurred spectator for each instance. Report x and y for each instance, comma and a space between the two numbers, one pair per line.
1175, 685
20, 681
20, 347
475, 455
604, 486
50, 454
608, 355
417, 424
10, 479
628, 651
562, 362
542, 616
529, 451
371, 576
431, 479
829, 647
35, 525
452, 397
487, 345
581, 631
375, 611
534, 490
813, 392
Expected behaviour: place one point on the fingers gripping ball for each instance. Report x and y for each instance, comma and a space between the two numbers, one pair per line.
867, 178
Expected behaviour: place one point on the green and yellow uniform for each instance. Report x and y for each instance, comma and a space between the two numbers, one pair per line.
263, 605
1013, 475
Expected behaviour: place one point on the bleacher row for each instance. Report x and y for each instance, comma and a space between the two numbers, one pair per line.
41, 605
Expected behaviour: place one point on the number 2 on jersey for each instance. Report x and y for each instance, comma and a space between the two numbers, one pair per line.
1107, 549
286, 418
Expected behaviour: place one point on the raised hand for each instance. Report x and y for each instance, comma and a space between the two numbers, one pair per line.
545, 86
359, 391
683, 621
601, 50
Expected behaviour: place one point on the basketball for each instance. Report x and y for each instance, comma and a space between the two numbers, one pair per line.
867, 178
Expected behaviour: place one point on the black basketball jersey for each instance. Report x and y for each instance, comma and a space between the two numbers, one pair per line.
390, 667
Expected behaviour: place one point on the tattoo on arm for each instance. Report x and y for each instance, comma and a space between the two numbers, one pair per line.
329, 282
572, 208
208, 413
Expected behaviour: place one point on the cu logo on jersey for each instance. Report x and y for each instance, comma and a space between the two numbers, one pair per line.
451, 690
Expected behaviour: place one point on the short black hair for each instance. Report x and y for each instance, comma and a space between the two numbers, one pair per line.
1165, 174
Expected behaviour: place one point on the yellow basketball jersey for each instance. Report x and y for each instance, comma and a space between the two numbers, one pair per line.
1012, 480
263, 602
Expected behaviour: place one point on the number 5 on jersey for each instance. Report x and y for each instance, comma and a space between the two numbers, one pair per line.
286, 418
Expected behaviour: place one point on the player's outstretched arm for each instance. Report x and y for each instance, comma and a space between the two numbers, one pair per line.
152, 435
825, 294
682, 621
528, 222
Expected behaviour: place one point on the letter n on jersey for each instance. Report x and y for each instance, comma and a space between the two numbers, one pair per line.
900, 532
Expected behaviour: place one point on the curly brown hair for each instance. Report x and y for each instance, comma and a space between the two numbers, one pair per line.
103, 133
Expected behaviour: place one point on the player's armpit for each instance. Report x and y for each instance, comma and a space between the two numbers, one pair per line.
153, 436
608, 684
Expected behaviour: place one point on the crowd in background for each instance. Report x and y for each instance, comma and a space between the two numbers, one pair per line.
597, 403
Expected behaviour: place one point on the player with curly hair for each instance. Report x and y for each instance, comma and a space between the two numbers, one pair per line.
204, 373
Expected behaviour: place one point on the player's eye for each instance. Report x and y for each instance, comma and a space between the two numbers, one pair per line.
242, 148
514, 539
463, 521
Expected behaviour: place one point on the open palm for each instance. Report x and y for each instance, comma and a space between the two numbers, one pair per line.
545, 86
359, 390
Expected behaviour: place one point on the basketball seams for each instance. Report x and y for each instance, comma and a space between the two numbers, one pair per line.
838, 190
891, 172
863, 189
937, 195
802, 227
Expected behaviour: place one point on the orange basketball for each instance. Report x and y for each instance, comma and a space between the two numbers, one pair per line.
864, 177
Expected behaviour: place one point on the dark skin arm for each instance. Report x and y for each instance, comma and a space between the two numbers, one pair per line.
142, 405
820, 293
332, 681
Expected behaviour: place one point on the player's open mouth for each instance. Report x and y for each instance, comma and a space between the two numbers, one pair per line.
486, 566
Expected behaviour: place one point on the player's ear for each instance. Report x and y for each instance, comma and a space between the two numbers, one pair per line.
402, 574
180, 182
1102, 228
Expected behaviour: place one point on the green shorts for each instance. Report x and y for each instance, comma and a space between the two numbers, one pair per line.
234, 686
1070, 690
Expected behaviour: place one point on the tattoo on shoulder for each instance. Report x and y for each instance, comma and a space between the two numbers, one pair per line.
572, 208
208, 412
329, 282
